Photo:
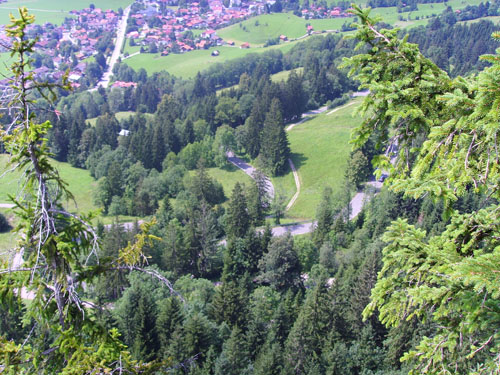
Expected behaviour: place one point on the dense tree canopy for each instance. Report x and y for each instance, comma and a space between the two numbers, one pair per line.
446, 131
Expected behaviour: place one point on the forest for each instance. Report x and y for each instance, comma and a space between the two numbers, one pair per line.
409, 286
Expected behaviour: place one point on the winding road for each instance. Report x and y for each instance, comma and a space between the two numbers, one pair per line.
357, 202
249, 170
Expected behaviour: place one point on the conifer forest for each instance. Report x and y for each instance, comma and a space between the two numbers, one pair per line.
196, 282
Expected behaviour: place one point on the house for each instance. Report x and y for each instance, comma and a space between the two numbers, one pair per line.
73, 77
283, 38
245, 45
215, 53
123, 84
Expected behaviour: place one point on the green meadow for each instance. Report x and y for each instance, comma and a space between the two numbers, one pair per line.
283, 76
55, 11
320, 150
80, 183
186, 65
7, 239
257, 30
130, 50
424, 12
5, 63
494, 19
228, 177
124, 115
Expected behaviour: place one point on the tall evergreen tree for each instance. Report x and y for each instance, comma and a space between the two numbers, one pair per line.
168, 320
238, 220
274, 150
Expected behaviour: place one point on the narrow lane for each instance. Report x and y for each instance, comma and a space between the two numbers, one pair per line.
249, 170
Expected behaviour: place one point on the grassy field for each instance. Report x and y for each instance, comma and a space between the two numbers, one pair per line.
125, 115
228, 177
257, 30
5, 62
391, 16
81, 184
55, 11
283, 76
320, 149
131, 50
494, 19
7, 239
186, 65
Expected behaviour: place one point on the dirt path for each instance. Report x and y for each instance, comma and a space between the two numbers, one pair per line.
297, 185
305, 117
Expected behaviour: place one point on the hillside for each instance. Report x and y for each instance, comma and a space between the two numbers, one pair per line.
320, 150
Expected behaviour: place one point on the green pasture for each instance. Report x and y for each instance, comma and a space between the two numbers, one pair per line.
326, 24
7, 239
285, 186
228, 177
277, 77
283, 76
257, 30
425, 11
320, 150
80, 183
494, 19
131, 50
124, 115
55, 11
186, 65
5, 63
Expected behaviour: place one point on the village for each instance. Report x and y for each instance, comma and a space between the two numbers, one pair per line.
84, 42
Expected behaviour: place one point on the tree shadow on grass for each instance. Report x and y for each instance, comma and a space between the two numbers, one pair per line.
298, 159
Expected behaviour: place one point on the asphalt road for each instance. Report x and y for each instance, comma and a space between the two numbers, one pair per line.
249, 170
120, 37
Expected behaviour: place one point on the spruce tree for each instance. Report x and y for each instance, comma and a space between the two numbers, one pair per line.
168, 320
274, 149
446, 132
238, 219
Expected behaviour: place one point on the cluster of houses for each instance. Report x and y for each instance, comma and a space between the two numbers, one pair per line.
169, 33
315, 12
82, 33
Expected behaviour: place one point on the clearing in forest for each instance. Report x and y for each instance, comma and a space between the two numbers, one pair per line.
320, 151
